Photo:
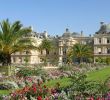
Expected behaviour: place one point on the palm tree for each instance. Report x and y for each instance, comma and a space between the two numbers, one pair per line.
69, 56
47, 46
80, 51
12, 40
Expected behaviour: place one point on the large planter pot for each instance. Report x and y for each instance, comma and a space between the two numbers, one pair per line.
7, 70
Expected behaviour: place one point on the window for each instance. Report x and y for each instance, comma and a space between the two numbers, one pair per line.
20, 59
47, 52
27, 52
64, 60
108, 40
64, 51
99, 50
41, 60
41, 52
99, 40
55, 53
108, 50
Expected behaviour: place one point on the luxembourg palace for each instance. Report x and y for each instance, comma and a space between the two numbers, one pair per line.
100, 41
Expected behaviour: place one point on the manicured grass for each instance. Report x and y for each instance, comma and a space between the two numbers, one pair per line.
64, 82
97, 75
5, 92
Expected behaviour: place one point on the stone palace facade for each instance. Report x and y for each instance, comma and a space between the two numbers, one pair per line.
100, 42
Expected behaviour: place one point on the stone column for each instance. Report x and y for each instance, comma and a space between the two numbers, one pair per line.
12, 61
103, 50
97, 42
94, 40
94, 59
60, 56
102, 40
95, 50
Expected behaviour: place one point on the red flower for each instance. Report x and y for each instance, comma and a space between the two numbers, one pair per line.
34, 89
98, 98
39, 98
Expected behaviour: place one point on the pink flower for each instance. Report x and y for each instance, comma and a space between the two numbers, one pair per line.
47, 98
91, 98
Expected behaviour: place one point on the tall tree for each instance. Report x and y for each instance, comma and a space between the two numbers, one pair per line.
46, 46
12, 39
80, 51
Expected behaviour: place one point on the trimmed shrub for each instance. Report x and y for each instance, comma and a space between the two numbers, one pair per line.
7, 70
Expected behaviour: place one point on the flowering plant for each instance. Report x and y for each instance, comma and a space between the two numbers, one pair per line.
36, 90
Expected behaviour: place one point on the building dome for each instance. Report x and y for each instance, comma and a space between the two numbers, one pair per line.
67, 33
108, 28
75, 34
105, 28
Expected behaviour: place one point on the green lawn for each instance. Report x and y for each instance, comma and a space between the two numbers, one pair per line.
5, 92
98, 75
63, 82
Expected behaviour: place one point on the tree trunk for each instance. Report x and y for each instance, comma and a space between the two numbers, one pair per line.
80, 60
6, 59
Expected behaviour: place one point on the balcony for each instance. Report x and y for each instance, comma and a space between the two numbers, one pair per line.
60, 44
102, 44
101, 54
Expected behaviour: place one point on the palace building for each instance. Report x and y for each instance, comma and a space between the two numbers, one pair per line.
100, 41
67, 40
31, 55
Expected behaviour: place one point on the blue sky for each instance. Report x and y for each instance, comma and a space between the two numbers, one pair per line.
54, 16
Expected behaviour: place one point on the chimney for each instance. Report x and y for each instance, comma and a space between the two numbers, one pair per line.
45, 34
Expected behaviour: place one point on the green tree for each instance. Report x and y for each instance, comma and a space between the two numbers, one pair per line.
80, 51
107, 60
12, 40
69, 55
53, 56
81, 87
46, 46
